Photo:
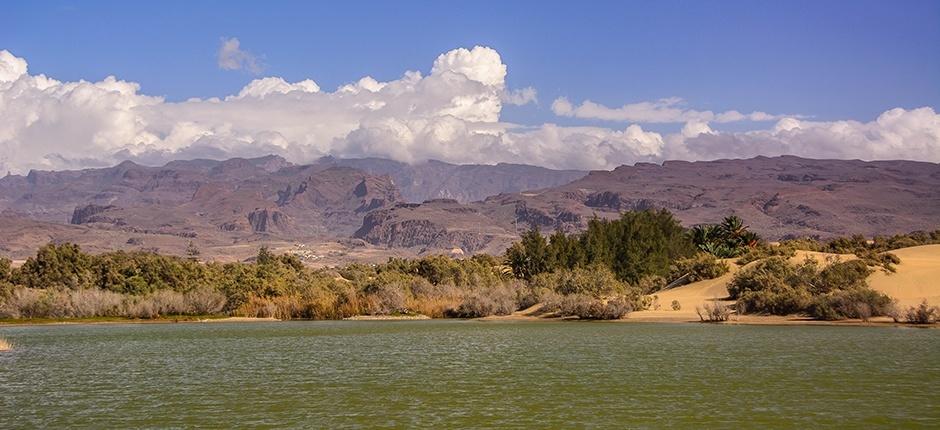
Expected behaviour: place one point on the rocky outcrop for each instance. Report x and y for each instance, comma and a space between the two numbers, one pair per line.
92, 213
268, 220
438, 225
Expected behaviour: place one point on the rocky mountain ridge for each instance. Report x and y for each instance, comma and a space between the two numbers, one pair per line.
251, 201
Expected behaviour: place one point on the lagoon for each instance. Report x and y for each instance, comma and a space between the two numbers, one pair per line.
468, 374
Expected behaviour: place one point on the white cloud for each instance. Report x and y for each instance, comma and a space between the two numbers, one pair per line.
451, 114
668, 110
520, 97
261, 87
232, 57
895, 134
11, 67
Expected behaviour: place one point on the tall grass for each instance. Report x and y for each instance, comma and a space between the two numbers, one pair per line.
5, 345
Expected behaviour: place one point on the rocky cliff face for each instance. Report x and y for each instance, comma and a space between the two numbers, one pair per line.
269, 221
436, 224
779, 197
465, 183
89, 214
239, 200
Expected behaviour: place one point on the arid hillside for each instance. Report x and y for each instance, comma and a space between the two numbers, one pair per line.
438, 207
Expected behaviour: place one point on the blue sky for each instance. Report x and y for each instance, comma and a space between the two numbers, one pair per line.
825, 59
616, 82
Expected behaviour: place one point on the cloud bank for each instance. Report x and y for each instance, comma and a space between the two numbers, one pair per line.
451, 114
667, 110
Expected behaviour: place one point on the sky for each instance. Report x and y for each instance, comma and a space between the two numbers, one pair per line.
587, 85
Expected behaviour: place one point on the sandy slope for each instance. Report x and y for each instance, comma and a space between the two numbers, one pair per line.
917, 278
689, 296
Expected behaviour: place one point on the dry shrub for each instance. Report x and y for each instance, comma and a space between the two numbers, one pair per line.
435, 301
348, 302
587, 307
168, 302
713, 312
922, 314
205, 301
96, 303
257, 307
385, 299
140, 307
500, 300
676, 305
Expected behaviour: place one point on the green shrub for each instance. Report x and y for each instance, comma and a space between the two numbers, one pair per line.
765, 250
699, 267
639, 244
840, 276
651, 284
861, 303
777, 298
596, 282
772, 273
587, 307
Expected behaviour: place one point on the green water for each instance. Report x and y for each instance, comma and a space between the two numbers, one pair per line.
461, 374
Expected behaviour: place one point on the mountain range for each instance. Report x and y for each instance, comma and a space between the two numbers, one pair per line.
380, 207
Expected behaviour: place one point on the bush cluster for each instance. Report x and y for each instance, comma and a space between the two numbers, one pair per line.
699, 267
838, 291
638, 245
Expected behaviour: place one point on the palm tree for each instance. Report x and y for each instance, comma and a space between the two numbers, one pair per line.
727, 239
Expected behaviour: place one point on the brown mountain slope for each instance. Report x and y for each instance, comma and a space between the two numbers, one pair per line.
778, 197
267, 199
465, 183
242, 200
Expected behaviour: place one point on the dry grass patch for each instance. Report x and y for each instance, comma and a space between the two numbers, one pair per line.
5, 345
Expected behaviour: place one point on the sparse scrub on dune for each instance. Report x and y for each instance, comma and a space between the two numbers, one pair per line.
713, 312
861, 303
838, 291
699, 267
765, 250
922, 314
588, 307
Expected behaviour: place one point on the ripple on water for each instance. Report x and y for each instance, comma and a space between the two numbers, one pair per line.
467, 374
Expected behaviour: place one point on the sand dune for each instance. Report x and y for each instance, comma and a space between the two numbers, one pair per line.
689, 296
917, 277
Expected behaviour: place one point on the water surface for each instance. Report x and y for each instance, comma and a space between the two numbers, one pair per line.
468, 374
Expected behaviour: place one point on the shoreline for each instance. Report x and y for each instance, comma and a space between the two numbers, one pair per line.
203, 319
747, 320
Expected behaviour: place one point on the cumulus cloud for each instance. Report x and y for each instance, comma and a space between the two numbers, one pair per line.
896, 134
451, 114
668, 110
232, 57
